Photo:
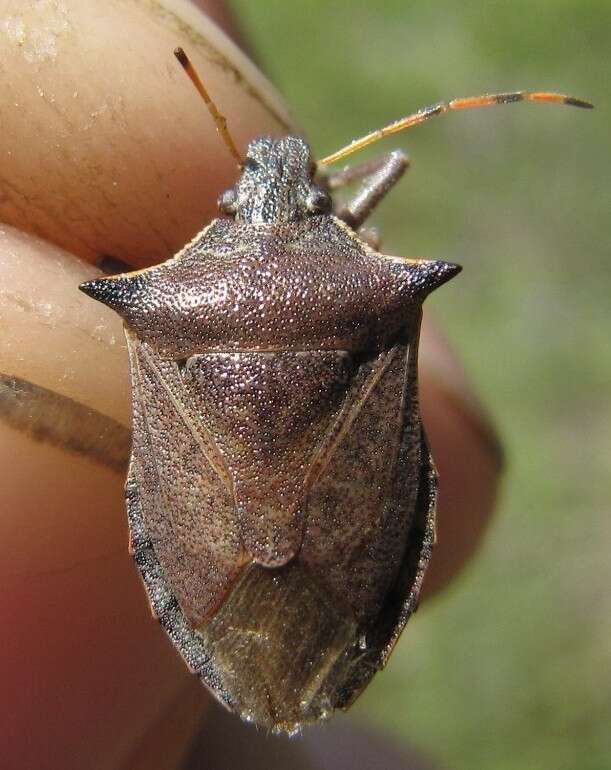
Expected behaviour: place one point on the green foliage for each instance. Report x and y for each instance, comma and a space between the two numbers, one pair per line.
510, 669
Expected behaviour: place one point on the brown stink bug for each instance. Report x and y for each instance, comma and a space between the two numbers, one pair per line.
281, 495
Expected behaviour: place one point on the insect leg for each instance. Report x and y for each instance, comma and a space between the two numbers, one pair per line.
379, 175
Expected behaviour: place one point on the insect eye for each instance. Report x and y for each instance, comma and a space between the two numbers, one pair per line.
227, 202
318, 201
250, 164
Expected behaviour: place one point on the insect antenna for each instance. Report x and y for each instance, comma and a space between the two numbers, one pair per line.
219, 119
422, 115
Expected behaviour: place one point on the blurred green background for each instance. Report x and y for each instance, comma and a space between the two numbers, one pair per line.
511, 667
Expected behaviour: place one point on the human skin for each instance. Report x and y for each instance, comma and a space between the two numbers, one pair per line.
107, 151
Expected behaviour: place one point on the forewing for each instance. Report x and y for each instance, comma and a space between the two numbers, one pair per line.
183, 488
360, 507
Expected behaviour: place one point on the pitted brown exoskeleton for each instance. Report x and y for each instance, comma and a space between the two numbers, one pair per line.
281, 495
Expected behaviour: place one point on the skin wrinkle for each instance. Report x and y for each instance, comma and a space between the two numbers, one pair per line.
17, 197
29, 205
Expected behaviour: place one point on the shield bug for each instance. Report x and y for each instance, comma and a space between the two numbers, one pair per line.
281, 495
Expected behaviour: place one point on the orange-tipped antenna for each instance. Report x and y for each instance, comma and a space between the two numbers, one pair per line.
456, 104
220, 120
